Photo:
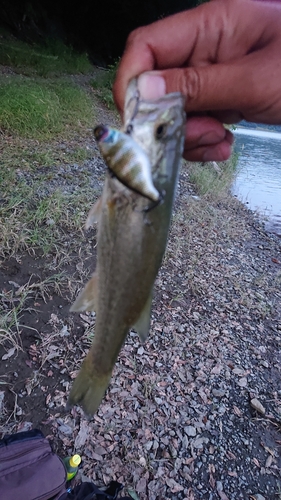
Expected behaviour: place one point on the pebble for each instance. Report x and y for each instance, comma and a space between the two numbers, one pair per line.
218, 393
184, 442
65, 429
50, 222
256, 404
242, 382
190, 430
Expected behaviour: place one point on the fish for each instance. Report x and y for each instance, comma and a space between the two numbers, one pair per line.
131, 237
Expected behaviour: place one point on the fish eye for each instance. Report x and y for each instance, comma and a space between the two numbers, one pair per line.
160, 131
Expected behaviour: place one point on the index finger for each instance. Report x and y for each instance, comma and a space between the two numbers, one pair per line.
167, 43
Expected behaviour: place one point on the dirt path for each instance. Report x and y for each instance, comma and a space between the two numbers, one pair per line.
195, 412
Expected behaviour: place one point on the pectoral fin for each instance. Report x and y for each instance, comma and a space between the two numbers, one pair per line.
87, 298
143, 323
94, 214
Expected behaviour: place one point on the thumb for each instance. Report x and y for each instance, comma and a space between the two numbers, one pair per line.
212, 87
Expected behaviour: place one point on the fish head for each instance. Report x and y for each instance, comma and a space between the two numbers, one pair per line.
104, 133
158, 126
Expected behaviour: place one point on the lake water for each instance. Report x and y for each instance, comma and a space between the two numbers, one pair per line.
258, 180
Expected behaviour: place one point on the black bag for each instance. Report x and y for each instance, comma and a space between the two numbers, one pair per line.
89, 491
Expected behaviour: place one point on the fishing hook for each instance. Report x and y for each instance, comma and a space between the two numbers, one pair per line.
155, 204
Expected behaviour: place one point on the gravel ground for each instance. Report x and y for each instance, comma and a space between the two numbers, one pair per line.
194, 412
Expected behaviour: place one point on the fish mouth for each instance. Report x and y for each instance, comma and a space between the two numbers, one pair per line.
136, 105
100, 132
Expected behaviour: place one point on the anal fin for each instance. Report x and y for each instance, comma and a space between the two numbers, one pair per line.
87, 298
94, 214
143, 323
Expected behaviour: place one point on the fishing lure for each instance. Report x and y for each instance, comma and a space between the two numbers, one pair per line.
127, 161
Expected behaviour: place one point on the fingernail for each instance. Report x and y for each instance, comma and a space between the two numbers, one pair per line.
151, 86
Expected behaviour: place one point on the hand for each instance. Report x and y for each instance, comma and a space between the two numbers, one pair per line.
225, 56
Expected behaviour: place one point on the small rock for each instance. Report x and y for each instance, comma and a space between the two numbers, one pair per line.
24, 426
198, 443
65, 429
148, 445
50, 222
269, 461
184, 442
141, 485
242, 382
255, 403
64, 331
190, 430
218, 393
2, 395
257, 496
219, 486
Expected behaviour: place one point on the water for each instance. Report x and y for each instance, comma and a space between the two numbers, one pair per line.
258, 180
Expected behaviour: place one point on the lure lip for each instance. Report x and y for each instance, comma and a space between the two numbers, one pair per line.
101, 132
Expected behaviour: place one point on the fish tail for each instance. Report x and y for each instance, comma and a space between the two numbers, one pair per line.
88, 388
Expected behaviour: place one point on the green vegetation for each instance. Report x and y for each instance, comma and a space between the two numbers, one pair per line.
40, 108
103, 82
52, 58
35, 212
213, 180
44, 123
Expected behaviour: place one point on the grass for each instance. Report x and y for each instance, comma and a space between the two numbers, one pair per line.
42, 206
33, 219
103, 82
40, 120
9, 327
14, 303
49, 59
213, 180
42, 109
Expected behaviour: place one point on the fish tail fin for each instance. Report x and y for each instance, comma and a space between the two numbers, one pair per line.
88, 389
